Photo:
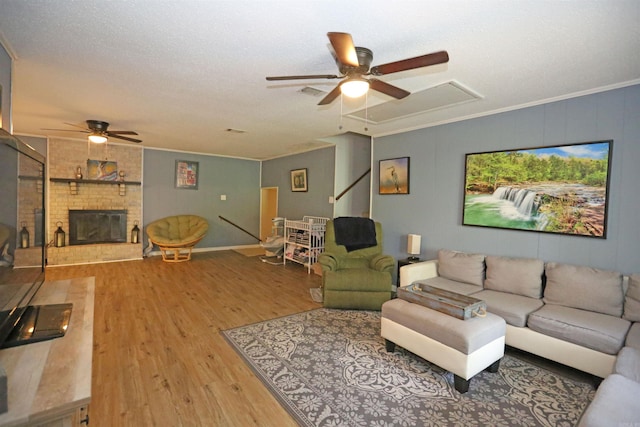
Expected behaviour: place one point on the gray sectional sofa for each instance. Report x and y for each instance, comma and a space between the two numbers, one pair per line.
579, 316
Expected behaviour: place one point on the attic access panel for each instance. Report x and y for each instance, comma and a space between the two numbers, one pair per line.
441, 96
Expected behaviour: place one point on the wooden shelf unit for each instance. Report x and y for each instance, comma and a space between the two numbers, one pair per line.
304, 240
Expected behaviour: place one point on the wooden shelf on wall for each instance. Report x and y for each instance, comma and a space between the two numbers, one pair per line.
94, 181
30, 177
73, 184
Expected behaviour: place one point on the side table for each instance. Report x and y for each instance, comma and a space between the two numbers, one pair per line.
403, 262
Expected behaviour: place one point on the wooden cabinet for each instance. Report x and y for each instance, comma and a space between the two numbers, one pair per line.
49, 382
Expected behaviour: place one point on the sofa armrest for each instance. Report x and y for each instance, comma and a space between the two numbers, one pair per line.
382, 263
417, 271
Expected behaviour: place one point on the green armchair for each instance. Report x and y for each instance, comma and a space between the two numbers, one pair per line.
358, 279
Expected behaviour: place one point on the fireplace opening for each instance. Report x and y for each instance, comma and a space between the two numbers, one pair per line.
97, 226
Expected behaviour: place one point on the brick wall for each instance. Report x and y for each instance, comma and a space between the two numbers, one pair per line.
64, 157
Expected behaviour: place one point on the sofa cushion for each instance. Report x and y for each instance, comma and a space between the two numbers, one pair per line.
632, 299
585, 288
461, 266
520, 276
450, 285
633, 337
615, 404
514, 309
628, 363
589, 329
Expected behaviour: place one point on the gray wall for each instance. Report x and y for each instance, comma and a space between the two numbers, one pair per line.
353, 158
434, 207
320, 166
9, 190
238, 179
5, 88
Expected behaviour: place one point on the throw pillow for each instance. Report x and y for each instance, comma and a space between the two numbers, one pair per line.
632, 299
520, 276
460, 266
585, 288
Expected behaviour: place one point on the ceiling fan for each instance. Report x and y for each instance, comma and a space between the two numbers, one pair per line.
98, 132
354, 63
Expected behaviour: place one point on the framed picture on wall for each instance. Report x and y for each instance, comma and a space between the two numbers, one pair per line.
299, 180
186, 174
560, 189
394, 176
102, 170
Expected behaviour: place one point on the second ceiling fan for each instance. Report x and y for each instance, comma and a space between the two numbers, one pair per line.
354, 63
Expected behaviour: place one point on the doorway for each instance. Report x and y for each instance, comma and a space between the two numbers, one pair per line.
268, 210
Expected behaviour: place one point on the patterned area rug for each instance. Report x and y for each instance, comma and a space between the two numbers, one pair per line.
330, 368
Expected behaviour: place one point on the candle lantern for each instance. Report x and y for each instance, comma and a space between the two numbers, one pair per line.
59, 235
24, 236
135, 233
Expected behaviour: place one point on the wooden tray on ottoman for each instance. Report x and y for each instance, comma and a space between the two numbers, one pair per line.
457, 305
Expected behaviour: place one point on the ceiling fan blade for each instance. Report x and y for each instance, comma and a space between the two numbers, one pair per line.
388, 89
312, 76
331, 95
76, 126
112, 135
344, 49
123, 132
411, 63
67, 130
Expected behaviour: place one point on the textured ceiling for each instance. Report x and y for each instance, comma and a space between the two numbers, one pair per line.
181, 73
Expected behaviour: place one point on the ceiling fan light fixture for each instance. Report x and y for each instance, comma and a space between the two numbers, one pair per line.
355, 87
97, 138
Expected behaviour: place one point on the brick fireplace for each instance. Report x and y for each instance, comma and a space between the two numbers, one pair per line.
66, 194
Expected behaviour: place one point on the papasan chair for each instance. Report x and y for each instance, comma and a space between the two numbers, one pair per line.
177, 235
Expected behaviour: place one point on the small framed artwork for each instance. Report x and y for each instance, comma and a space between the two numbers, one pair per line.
102, 170
299, 180
394, 176
187, 174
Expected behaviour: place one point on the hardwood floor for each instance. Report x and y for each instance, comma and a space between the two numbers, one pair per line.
159, 358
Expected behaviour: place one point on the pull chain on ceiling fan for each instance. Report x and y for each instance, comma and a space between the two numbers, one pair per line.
354, 63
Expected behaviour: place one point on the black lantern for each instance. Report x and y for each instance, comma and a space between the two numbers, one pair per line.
24, 236
135, 233
59, 236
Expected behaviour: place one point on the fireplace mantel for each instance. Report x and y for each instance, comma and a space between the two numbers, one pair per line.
73, 184
94, 181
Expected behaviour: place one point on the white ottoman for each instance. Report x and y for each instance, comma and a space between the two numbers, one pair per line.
463, 347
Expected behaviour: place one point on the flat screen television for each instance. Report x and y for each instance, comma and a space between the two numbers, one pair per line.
22, 227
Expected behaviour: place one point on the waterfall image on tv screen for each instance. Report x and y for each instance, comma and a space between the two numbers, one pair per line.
560, 189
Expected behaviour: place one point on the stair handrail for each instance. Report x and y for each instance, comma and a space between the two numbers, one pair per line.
240, 228
353, 184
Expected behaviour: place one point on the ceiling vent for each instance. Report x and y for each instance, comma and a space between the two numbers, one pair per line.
308, 90
434, 98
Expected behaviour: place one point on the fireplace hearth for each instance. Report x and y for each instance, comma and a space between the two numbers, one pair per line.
97, 226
